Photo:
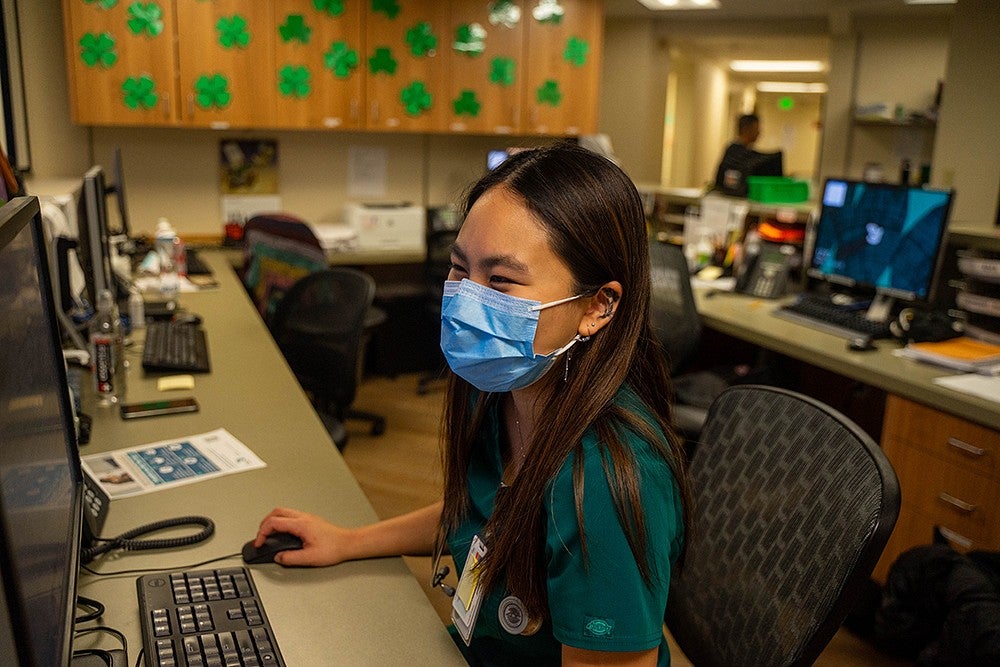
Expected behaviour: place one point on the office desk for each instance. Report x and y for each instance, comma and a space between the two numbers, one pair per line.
366, 612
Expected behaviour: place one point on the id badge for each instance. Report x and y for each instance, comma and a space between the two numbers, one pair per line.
468, 594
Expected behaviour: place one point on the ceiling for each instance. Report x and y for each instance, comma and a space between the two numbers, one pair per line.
788, 9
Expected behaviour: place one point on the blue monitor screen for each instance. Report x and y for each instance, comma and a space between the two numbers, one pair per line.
882, 236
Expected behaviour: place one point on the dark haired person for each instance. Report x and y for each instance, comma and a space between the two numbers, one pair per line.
565, 495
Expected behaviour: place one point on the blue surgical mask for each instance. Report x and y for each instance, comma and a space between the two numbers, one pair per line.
488, 337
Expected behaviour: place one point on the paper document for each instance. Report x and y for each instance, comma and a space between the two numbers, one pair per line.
170, 463
977, 385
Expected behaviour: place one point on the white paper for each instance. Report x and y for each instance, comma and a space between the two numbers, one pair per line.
982, 386
240, 208
366, 172
169, 463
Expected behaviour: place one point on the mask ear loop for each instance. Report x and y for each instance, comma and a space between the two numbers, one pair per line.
569, 353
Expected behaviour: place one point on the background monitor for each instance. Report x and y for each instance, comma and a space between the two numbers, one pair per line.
880, 236
40, 477
92, 220
768, 164
118, 188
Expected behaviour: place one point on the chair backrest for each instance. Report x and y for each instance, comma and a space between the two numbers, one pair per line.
318, 327
278, 250
793, 504
673, 311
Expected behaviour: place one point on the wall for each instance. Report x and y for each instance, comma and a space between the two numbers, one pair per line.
794, 130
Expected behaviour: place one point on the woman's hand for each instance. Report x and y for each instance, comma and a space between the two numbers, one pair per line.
322, 542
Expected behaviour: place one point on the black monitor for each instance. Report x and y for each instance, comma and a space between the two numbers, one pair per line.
118, 188
880, 237
767, 164
40, 478
93, 234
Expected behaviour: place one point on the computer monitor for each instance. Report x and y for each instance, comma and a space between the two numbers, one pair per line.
880, 237
118, 188
40, 478
767, 164
95, 248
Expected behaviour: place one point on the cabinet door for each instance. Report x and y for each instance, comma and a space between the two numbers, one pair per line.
486, 64
564, 39
406, 82
318, 71
120, 60
225, 50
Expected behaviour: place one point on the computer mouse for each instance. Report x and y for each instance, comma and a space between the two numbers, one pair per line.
188, 318
861, 344
266, 552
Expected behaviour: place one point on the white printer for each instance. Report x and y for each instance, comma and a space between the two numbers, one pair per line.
388, 227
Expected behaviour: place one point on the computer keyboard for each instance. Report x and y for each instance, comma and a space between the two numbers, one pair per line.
205, 618
819, 312
175, 346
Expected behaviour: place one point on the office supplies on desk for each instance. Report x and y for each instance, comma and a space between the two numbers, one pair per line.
175, 346
205, 617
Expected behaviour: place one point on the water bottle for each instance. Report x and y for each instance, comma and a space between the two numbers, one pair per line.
136, 309
166, 250
107, 351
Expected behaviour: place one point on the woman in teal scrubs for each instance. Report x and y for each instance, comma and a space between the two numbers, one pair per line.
566, 499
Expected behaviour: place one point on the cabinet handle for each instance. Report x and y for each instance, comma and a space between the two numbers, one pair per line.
375, 111
952, 536
190, 105
166, 106
354, 109
966, 447
955, 502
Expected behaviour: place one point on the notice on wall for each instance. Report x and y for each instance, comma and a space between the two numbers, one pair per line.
248, 178
366, 168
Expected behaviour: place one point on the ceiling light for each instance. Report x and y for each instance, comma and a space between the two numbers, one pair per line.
790, 87
680, 4
776, 66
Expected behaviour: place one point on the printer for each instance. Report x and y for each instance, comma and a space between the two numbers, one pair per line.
388, 227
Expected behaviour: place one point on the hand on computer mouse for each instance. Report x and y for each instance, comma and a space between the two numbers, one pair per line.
323, 543
272, 546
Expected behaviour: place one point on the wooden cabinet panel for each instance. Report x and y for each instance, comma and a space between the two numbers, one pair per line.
120, 62
318, 65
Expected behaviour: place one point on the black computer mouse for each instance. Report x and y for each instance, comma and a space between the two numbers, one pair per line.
861, 344
188, 318
266, 552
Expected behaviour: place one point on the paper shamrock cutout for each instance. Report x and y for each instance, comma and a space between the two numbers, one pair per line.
295, 28
505, 13
145, 17
576, 51
341, 59
548, 93
382, 61
233, 32
421, 39
103, 4
388, 7
98, 50
212, 91
548, 11
502, 71
416, 98
332, 7
139, 92
470, 39
466, 104
293, 81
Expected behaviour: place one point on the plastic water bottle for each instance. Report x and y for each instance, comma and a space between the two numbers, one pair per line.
166, 250
107, 351
136, 309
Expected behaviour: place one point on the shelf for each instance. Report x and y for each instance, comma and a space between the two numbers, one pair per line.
888, 122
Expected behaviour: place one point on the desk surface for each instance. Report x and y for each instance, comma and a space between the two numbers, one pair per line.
365, 612
750, 319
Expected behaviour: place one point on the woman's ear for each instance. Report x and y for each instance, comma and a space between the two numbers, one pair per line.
600, 308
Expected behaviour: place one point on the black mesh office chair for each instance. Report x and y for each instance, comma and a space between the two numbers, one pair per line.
793, 504
319, 327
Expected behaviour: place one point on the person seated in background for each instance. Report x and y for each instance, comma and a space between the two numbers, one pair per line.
741, 160
566, 495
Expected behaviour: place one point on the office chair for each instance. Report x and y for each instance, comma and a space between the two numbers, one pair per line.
436, 269
319, 328
793, 504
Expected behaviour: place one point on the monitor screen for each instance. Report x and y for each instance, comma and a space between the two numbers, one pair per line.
880, 236
768, 164
92, 219
119, 189
40, 477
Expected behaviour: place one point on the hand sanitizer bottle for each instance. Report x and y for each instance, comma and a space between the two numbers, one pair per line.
166, 251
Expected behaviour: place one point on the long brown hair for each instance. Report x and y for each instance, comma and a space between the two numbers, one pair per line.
594, 221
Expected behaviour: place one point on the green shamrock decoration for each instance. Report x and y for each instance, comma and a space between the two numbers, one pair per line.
98, 50
295, 28
140, 92
548, 93
341, 59
145, 18
466, 104
382, 61
103, 4
294, 81
470, 39
332, 7
233, 32
421, 39
576, 51
548, 11
416, 98
212, 91
388, 7
502, 71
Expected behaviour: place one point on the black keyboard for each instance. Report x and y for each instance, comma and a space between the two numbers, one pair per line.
196, 266
205, 618
175, 346
819, 312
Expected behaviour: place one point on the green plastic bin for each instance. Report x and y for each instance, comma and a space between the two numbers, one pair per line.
777, 189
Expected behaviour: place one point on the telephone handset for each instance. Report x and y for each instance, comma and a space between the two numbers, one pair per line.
766, 274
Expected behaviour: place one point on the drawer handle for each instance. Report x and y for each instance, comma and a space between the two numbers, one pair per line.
966, 447
952, 536
955, 502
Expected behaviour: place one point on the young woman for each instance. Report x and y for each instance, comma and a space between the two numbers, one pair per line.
565, 497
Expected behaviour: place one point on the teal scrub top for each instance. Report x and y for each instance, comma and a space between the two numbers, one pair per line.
606, 606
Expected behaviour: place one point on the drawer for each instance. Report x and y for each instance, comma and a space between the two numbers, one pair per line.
949, 438
950, 496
